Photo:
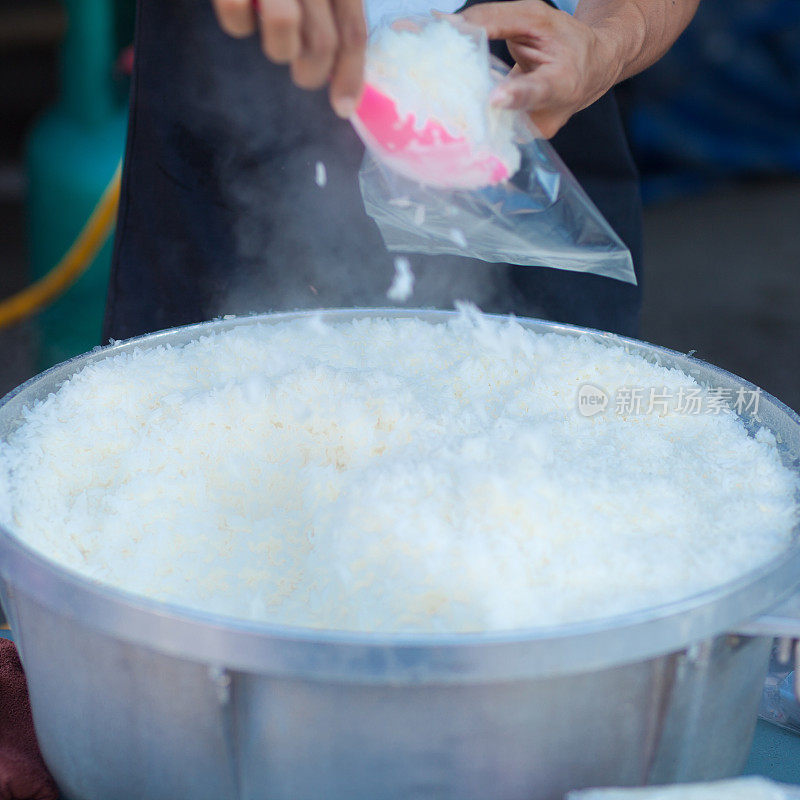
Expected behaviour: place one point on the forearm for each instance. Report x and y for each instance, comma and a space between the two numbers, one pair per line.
564, 62
635, 33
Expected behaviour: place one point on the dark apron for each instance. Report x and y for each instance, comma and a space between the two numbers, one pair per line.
220, 212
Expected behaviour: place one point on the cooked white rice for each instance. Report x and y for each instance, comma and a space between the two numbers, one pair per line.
438, 73
748, 788
393, 476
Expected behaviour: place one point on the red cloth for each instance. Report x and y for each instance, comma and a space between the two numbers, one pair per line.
23, 775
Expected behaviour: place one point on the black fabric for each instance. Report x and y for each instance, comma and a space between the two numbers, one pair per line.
220, 212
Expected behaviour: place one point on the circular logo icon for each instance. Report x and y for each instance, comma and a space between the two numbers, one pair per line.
591, 400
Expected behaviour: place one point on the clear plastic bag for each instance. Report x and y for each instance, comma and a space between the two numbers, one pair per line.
539, 217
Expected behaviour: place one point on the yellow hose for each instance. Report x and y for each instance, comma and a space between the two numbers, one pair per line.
72, 265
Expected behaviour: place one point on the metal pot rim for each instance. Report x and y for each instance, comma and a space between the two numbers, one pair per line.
378, 657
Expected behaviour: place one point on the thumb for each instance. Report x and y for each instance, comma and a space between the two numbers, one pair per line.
522, 91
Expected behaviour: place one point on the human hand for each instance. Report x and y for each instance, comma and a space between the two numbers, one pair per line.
323, 41
562, 63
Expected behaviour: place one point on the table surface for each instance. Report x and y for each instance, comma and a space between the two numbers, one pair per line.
775, 753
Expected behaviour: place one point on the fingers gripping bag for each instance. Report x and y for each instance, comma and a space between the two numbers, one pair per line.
446, 172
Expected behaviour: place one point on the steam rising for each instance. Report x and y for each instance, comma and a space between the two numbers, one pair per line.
293, 245
306, 248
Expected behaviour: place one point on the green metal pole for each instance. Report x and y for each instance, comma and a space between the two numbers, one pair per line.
71, 155
87, 61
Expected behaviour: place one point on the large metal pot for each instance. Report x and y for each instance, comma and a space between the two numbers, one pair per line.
138, 700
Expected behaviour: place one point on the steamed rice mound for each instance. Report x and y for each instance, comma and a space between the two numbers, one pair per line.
391, 475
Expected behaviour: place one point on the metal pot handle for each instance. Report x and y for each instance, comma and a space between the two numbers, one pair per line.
783, 623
